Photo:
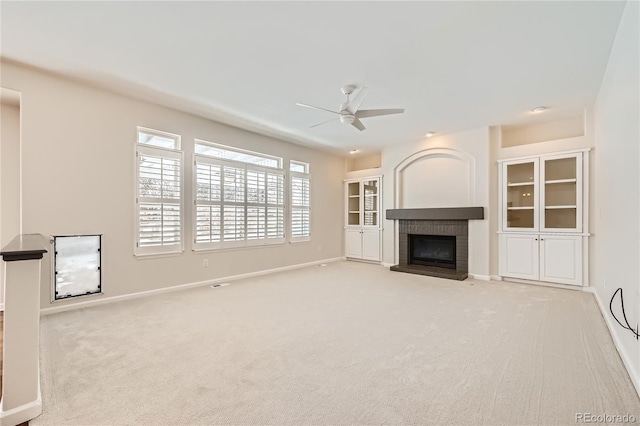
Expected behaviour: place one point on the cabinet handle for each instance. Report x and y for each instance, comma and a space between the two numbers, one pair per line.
541, 239
536, 239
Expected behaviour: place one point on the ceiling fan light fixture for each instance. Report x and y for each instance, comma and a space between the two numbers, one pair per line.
429, 134
539, 109
353, 151
347, 118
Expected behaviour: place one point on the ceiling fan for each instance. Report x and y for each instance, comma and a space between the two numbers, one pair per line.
349, 112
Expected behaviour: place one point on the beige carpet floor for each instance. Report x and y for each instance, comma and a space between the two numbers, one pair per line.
349, 343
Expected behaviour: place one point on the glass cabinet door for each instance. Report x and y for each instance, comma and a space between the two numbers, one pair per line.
370, 202
561, 193
520, 194
353, 203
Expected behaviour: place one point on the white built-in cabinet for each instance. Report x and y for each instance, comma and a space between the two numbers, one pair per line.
362, 218
543, 235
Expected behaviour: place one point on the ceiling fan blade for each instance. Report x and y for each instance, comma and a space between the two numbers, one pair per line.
315, 107
357, 100
377, 112
324, 122
358, 124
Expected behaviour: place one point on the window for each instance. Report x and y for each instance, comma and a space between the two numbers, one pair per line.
300, 201
158, 193
239, 198
234, 154
158, 139
299, 167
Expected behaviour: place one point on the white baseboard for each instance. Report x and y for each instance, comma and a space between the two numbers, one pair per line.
480, 277
112, 299
387, 265
21, 414
495, 277
2, 306
616, 341
545, 284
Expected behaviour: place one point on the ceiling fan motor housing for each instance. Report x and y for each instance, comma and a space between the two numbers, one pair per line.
347, 90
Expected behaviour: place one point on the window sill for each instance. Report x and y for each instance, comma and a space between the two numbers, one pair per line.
220, 249
143, 256
300, 241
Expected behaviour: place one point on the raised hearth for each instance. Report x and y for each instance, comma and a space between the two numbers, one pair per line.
443, 257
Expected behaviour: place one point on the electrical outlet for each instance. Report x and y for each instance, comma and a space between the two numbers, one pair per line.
205, 263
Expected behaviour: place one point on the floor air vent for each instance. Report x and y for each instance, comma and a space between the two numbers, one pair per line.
220, 285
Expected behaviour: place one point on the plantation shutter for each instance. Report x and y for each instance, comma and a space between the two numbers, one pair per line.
233, 216
208, 203
275, 207
159, 201
256, 204
237, 204
300, 207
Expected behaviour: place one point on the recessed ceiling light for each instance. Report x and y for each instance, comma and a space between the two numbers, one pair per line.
539, 109
429, 134
353, 151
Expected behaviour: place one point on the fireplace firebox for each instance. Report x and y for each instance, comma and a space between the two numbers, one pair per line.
433, 250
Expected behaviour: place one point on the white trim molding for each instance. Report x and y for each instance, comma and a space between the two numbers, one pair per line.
633, 374
23, 413
432, 152
479, 277
112, 299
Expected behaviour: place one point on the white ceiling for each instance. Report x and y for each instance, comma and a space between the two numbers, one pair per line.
453, 66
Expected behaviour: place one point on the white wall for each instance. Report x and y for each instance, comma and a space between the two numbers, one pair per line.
9, 179
78, 178
617, 217
445, 171
439, 180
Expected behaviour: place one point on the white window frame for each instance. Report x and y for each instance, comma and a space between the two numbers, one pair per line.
292, 175
245, 242
164, 153
234, 150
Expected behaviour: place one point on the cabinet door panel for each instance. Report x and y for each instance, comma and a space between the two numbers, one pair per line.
353, 202
371, 202
371, 244
561, 193
560, 259
519, 256
353, 243
520, 195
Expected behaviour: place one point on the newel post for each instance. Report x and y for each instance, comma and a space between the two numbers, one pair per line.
21, 399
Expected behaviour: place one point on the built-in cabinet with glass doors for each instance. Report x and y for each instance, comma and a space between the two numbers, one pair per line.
362, 221
543, 211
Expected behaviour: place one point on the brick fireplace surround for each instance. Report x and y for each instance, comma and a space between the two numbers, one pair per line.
442, 221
